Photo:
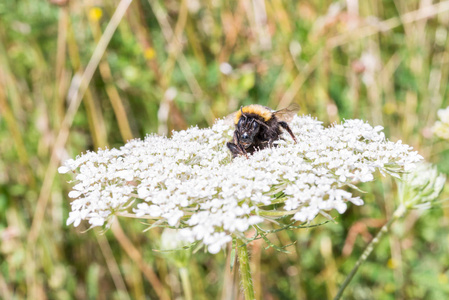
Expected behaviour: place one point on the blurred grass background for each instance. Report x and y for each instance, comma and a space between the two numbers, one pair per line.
172, 64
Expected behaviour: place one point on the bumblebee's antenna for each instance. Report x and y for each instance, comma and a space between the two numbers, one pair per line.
261, 123
241, 110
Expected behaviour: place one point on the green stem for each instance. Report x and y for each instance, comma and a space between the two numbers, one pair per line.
245, 272
399, 213
185, 281
276, 213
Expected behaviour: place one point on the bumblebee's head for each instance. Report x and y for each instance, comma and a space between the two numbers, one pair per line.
248, 128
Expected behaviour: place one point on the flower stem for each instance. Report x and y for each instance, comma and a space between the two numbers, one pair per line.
276, 213
245, 272
185, 281
399, 213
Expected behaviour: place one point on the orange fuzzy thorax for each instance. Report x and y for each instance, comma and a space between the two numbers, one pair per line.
257, 109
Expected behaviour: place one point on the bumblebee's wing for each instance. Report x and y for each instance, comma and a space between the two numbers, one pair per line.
229, 119
287, 113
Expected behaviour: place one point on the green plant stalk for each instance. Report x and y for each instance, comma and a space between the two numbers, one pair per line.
399, 213
185, 281
276, 213
245, 272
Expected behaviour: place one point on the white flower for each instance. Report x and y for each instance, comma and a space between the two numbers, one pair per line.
226, 68
191, 182
63, 169
441, 127
371, 65
420, 188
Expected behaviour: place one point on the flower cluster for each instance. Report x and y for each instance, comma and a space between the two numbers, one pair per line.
441, 127
190, 181
420, 189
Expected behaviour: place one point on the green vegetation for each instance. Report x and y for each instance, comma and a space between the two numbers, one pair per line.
166, 68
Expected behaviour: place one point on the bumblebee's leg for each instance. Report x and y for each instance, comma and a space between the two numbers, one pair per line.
236, 148
237, 143
265, 144
286, 127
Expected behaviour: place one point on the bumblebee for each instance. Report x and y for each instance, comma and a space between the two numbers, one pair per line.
257, 127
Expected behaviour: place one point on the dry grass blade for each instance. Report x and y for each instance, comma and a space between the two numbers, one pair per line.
112, 264
6, 110
76, 93
5, 293
111, 90
171, 37
299, 80
135, 255
410, 17
15, 132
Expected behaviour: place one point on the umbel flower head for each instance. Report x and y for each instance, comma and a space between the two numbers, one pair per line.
420, 189
190, 181
441, 127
